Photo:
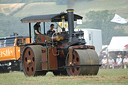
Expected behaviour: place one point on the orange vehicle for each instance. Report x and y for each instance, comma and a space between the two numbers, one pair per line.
10, 52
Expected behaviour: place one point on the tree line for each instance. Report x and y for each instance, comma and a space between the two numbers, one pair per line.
10, 24
102, 20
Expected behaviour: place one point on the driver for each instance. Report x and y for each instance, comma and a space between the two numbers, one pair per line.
37, 30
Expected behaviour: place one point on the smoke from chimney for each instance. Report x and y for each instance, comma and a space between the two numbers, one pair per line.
71, 3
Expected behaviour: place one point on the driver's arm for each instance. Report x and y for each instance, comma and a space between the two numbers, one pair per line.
37, 32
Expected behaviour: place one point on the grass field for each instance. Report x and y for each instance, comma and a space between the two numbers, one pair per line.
104, 77
9, 8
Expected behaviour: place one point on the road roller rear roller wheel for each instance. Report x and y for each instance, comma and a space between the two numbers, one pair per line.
84, 62
31, 61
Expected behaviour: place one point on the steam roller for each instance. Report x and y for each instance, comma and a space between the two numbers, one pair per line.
63, 53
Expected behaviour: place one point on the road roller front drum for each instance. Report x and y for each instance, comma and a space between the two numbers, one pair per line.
84, 62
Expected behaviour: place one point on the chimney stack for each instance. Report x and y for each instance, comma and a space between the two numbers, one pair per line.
70, 23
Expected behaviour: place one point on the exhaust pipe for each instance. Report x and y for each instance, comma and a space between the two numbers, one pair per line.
70, 23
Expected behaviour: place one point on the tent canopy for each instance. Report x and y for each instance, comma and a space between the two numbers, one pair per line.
118, 44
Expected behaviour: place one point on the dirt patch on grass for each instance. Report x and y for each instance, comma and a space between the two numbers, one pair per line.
85, 77
121, 78
96, 78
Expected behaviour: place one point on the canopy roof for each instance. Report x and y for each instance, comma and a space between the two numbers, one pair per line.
118, 44
48, 18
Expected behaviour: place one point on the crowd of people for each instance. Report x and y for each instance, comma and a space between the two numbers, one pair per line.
118, 62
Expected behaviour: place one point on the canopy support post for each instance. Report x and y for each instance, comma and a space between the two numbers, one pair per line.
44, 27
30, 31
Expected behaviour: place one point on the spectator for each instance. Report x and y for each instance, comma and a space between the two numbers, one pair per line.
51, 31
104, 62
111, 63
119, 61
101, 56
125, 62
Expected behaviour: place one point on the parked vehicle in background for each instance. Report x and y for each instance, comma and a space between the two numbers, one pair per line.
10, 59
93, 37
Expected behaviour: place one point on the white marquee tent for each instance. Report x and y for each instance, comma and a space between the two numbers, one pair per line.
118, 43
